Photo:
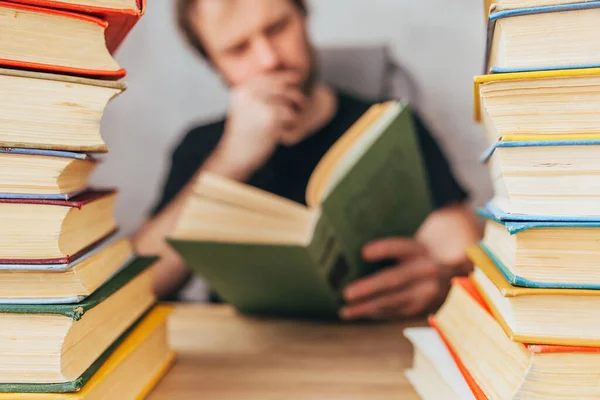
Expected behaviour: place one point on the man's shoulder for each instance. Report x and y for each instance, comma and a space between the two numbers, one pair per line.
201, 138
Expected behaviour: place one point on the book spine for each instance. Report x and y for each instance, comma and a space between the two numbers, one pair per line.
326, 252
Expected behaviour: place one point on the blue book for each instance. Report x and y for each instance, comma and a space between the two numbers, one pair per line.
547, 32
44, 174
544, 254
549, 186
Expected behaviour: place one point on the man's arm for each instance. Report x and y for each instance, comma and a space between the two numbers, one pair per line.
170, 271
420, 279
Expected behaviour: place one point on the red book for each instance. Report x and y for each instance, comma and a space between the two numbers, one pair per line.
120, 20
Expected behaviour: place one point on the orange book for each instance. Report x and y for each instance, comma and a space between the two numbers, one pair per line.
504, 369
55, 40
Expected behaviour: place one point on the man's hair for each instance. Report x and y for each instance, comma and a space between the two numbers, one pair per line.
185, 23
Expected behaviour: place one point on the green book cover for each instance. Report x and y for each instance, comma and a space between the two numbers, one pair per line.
380, 190
77, 384
75, 312
383, 193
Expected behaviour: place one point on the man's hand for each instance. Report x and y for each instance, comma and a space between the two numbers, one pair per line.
263, 113
411, 286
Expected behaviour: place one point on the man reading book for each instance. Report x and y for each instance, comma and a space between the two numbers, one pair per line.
280, 122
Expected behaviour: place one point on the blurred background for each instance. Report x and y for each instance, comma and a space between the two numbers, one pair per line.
425, 50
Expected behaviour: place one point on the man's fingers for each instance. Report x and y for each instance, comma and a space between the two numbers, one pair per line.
405, 303
376, 307
391, 279
392, 248
285, 116
423, 295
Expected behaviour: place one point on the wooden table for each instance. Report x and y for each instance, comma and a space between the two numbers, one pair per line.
224, 356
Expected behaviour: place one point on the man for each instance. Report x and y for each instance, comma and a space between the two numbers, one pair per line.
280, 122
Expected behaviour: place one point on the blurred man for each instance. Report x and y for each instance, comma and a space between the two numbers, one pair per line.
280, 122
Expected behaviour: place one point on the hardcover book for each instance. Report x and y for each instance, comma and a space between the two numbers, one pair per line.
434, 373
120, 15
505, 369
54, 112
558, 316
45, 39
43, 174
48, 231
544, 253
511, 108
265, 254
57, 343
546, 180
65, 283
542, 37
132, 366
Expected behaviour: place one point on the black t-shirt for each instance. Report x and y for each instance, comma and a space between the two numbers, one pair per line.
288, 170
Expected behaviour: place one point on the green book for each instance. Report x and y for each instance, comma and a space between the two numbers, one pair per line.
58, 348
267, 255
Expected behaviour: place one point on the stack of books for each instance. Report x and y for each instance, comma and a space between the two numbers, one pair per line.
78, 315
524, 325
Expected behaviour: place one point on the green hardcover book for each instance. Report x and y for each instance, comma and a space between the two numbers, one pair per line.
267, 255
50, 347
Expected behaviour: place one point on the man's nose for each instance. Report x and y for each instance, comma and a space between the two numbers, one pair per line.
266, 54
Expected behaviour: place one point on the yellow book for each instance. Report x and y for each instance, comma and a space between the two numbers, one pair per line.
552, 104
534, 315
131, 372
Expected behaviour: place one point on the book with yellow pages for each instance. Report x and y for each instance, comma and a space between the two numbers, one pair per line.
508, 370
53, 111
434, 375
542, 253
515, 4
44, 231
44, 174
57, 343
546, 179
266, 254
129, 369
63, 284
538, 315
543, 37
540, 105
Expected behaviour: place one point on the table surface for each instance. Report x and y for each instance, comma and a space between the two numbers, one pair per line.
225, 356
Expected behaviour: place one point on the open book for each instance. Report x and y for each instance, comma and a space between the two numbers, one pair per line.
266, 254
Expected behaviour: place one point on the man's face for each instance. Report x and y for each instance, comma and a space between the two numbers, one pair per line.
248, 38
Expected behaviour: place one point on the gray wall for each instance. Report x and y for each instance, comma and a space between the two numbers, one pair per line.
440, 44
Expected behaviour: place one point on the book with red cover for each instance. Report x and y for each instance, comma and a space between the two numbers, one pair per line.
28, 61
77, 202
120, 21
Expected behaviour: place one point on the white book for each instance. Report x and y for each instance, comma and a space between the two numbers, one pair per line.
434, 374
